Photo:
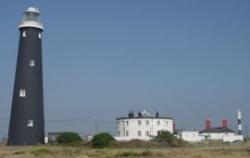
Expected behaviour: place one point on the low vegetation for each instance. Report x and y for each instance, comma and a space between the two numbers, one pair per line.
40, 151
135, 154
69, 138
169, 139
103, 145
228, 151
102, 140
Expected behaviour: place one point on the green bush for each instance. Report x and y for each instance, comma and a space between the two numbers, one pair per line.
132, 154
134, 143
169, 138
102, 140
69, 138
129, 154
41, 151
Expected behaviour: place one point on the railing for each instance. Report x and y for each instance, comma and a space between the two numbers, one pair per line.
25, 23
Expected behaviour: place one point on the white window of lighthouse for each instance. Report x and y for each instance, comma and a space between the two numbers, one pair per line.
32, 63
40, 35
22, 93
30, 123
24, 33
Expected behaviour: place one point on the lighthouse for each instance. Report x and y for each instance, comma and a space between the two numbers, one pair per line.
27, 112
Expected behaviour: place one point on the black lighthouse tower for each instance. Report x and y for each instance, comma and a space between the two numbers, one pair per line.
27, 114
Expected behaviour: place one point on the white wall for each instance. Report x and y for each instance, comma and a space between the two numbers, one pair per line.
216, 136
195, 136
131, 126
233, 138
225, 137
191, 136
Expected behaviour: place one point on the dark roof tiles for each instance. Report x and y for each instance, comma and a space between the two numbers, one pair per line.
217, 130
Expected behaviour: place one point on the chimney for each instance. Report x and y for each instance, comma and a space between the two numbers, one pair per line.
131, 114
224, 124
208, 124
157, 114
139, 114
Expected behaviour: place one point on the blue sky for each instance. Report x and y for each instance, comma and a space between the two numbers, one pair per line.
187, 59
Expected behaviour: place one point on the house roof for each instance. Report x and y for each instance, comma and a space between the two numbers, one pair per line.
144, 117
217, 130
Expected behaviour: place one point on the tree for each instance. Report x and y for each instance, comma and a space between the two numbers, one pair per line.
102, 140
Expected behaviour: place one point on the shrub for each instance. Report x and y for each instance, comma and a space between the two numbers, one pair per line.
41, 151
169, 138
146, 153
128, 154
19, 152
69, 138
134, 143
102, 140
132, 154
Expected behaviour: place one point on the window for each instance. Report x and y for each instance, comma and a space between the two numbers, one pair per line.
127, 133
30, 123
139, 123
147, 133
166, 123
32, 63
158, 122
119, 134
139, 133
147, 123
40, 35
127, 123
22, 93
24, 33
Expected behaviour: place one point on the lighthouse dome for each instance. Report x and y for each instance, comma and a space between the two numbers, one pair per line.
33, 9
31, 18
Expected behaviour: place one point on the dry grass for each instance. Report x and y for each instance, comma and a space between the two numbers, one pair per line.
223, 151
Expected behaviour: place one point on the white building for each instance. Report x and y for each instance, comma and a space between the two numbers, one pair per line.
220, 133
225, 135
144, 126
190, 136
